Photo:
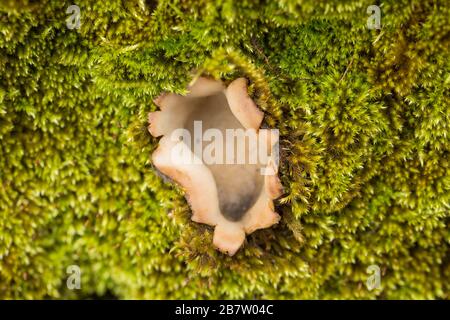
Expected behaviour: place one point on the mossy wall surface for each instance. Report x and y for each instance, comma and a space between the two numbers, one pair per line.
364, 122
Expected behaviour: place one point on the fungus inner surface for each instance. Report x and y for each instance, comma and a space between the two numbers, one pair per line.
238, 185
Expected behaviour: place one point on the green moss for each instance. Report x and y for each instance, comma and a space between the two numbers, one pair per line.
364, 122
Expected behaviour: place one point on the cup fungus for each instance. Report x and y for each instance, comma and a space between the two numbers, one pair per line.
212, 145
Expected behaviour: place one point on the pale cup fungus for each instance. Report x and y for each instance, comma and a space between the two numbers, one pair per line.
228, 169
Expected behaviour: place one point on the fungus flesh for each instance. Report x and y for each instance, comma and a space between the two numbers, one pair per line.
212, 145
